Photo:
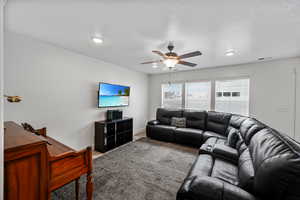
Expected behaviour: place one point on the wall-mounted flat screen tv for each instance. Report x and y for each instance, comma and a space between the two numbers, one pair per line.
111, 95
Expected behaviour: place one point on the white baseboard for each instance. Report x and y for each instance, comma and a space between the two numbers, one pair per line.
141, 130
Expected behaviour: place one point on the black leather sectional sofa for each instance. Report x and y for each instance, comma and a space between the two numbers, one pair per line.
239, 158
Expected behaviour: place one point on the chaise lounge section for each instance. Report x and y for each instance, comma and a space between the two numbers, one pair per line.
239, 157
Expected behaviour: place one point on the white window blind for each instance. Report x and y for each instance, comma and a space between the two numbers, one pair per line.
232, 96
198, 95
172, 95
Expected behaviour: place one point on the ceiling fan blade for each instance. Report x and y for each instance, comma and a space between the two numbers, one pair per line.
192, 54
150, 62
187, 63
159, 53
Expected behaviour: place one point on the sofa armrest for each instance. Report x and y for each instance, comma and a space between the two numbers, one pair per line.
153, 122
206, 149
226, 153
209, 188
220, 151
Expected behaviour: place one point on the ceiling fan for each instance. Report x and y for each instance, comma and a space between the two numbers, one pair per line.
171, 58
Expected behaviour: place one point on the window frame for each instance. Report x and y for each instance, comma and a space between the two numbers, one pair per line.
182, 93
185, 92
249, 90
213, 90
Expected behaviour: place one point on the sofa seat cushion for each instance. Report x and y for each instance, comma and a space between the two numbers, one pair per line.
207, 165
188, 136
164, 127
209, 134
209, 188
212, 179
162, 132
212, 141
225, 171
202, 166
246, 171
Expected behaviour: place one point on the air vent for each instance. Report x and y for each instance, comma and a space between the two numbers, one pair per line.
264, 58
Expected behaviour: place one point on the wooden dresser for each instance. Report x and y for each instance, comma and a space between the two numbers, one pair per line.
25, 164
36, 165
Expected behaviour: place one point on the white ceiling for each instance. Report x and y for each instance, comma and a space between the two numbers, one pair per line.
132, 28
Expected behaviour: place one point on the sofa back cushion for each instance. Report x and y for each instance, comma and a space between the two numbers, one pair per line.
249, 128
195, 119
276, 161
217, 122
164, 116
237, 120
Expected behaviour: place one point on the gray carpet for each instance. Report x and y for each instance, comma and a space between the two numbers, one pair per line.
144, 169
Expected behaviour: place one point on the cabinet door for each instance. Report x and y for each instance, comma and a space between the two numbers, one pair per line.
110, 129
110, 142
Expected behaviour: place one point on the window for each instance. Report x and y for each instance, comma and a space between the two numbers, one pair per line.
198, 95
226, 94
172, 95
219, 94
230, 96
235, 94
235, 97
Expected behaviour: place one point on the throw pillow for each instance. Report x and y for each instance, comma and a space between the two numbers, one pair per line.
179, 122
232, 137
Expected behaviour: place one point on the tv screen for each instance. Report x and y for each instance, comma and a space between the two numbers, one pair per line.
111, 95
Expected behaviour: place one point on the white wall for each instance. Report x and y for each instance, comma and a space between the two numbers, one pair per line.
2, 2
271, 89
297, 114
59, 89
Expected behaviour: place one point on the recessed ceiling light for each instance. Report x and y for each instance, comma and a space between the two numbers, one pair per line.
97, 40
230, 52
154, 65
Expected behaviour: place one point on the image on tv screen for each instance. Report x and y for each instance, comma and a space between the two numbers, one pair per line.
111, 95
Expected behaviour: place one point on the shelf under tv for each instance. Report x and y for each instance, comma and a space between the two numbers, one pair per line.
111, 134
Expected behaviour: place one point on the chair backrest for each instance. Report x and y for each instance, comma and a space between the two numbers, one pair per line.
28, 127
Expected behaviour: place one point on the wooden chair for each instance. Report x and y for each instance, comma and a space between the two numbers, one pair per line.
66, 164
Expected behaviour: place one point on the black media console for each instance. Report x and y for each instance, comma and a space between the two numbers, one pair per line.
111, 134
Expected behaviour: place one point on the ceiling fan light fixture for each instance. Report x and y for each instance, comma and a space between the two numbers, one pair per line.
170, 59
230, 52
97, 40
170, 62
